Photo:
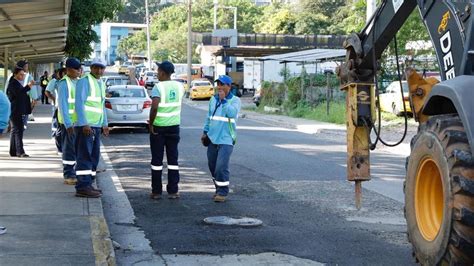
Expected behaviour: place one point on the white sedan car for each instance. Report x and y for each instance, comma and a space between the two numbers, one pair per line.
127, 105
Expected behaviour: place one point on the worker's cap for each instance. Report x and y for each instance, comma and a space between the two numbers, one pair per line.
166, 66
21, 63
98, 62
73, 62
224, 79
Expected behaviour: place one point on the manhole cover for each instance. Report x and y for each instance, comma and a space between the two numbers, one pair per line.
225, 220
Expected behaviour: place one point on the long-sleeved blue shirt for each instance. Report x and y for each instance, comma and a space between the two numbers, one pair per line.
217, 122
82, 91
62, 99
4, 111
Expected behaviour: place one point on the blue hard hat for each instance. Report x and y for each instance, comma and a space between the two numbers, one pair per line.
224, 79
73, 62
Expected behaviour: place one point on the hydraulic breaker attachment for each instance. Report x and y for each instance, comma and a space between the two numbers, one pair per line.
360, 116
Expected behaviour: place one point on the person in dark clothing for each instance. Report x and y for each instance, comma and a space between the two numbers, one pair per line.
44, 83
20, 107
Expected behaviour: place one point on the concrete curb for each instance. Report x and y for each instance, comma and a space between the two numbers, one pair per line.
100, 234
102, 244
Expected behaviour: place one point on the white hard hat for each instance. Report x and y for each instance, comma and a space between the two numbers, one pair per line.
98, 62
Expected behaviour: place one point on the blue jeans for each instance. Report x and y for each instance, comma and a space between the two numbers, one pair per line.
218, 157
87, 156
69, 152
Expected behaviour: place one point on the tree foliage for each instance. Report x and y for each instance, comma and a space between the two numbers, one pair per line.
169, 23
84, 14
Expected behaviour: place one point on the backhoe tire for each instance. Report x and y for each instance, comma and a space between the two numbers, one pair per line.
439, 193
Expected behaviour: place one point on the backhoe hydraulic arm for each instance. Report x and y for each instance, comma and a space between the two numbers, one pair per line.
449, 24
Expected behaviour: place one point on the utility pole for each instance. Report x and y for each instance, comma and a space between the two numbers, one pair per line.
190, 51
150, 62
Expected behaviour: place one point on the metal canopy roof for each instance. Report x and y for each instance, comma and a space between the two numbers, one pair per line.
251, 51
312, 55
35, 30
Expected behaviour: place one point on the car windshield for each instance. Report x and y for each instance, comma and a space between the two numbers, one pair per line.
111, 82
126, 93
202, 84
394, 87
150, 74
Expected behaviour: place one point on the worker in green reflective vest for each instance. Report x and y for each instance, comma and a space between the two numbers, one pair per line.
91, 122
165, 117
67, 118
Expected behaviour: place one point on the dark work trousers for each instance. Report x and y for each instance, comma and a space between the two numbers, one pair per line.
16, 135
44, 98
164, 137
68, 142
56, 129
87, 153
218, 157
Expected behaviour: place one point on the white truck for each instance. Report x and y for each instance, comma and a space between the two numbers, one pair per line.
252, 74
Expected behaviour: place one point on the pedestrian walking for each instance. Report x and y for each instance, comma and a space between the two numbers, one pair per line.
44, 83
20, 108
4, 118
91, 122
220, 134
165, 117
67, 118
141, 82
52, 93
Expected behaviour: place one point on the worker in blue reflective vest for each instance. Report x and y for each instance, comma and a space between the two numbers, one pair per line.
220, 134
91, 122
67, 118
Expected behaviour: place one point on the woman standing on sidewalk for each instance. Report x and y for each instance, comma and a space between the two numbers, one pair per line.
20, 107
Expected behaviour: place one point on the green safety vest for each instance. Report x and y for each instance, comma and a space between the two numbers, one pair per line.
70, 101
169, 109
94, 106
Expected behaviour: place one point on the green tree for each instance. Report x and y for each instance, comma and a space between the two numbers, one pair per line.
134, 44
277, 19
327, 8
312, 23
84, 14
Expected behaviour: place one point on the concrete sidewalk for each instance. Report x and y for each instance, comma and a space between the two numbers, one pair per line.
46, 223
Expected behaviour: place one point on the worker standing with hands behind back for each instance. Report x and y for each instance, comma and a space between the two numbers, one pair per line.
67, 118
91, 120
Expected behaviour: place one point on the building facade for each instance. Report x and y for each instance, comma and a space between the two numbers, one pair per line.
110, 35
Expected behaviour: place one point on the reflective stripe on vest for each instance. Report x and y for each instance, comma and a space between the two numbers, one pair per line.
94, 106
169, 109
70, 101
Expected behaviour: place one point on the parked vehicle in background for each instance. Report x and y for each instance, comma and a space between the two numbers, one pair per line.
201, 89
252, 74
181, 72
127, 105
123, 69
185, 85
391, 101
115, 80
151, 78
